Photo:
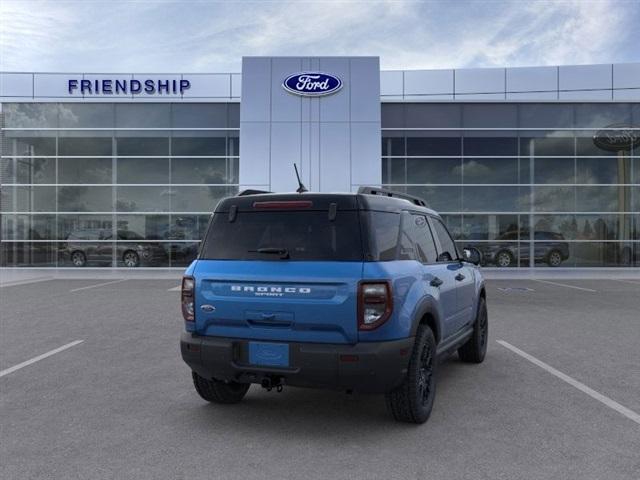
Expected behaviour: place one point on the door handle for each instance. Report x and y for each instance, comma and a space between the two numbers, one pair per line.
459, 277
436, 282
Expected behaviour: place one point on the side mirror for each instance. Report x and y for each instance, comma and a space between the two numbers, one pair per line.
472, 255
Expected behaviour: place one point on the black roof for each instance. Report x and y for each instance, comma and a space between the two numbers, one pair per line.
322, 201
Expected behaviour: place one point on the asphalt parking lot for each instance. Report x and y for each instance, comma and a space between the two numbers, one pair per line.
120, 403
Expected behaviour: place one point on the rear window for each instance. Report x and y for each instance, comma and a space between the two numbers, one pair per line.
304, 235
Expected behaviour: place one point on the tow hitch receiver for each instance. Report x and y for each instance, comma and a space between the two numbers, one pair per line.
269, 383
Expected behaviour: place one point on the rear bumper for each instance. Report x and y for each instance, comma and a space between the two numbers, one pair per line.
373, 367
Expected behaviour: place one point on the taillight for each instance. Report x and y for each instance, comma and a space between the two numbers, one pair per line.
188, 306
375, 304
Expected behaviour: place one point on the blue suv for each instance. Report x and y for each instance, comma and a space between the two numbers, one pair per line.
356, 292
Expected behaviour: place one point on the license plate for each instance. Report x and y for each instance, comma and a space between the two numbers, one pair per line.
269, 354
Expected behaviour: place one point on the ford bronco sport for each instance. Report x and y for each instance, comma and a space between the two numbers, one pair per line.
357, 292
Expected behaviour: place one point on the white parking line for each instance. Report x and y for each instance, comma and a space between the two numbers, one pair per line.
626, 281
630, 414
98, 285
565, 285
25, 281
39, 357
175, 289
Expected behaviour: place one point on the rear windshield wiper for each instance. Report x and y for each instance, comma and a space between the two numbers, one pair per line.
283, 252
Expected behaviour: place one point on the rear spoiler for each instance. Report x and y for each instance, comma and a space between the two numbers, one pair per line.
250, 191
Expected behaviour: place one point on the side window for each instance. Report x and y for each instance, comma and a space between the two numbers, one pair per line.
385, 227
416, 242
407, 244
448, 247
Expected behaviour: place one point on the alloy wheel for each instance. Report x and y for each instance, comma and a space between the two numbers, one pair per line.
555, 259
425, 375
130, 259
503, 259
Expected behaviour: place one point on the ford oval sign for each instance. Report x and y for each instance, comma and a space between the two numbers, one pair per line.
615, 138
312, 84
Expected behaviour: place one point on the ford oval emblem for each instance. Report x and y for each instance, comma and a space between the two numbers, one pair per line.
312, 84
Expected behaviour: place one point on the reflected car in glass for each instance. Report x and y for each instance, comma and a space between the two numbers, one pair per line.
87, 246
511, 250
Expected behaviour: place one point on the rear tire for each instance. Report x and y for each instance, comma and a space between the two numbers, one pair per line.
475, 349
554, 259
78, 259
504, 259
217, 391
130, 259
412, 401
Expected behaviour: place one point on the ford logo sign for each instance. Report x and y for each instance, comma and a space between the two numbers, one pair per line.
615, 138
312, 84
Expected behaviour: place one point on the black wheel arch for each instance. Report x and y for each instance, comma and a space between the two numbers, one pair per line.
427, 314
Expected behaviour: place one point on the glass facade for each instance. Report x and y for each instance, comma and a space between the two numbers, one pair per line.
133, 184
104, 184
524, 183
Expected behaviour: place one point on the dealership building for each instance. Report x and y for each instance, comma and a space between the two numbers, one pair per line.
537, 167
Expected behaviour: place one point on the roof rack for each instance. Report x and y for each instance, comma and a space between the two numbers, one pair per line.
250, 191
390, 193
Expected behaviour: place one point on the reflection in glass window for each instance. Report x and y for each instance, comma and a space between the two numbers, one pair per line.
142, 146
490, 170
550, 199
147, 227
548, 146
30, 115
28, 227
394, 170
198, 199
83, 198
203, 170
603, 170
143, 170
27, 199
198, 146
554, 170
490, 146
604, 254
603, 199
143, 115
199, 115
144, 199
393, 146
385, 227
181, 254
433, 146
441, 199
84, 170
489, 227
86, 115
26, 144
78, 226
81, 146
599, 115
454, 225
27, 254
28, 170
447, 250
434, 170
585, 146
495, 199
545, 115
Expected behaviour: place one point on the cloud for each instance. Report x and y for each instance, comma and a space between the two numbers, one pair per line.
212, 36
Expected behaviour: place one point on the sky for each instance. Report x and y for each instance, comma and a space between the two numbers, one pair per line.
190, 36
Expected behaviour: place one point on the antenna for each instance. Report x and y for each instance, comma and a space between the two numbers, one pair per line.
301, 187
